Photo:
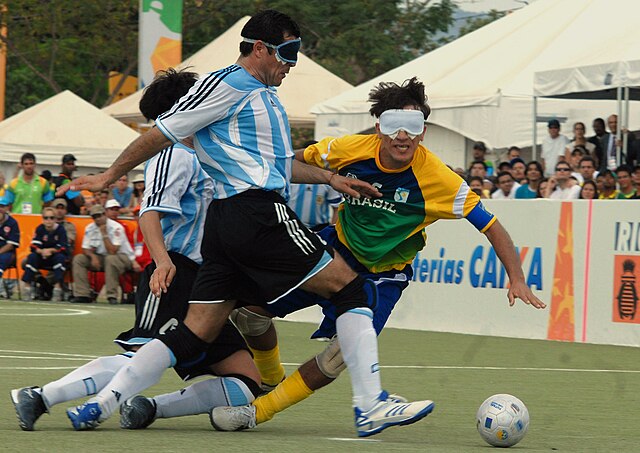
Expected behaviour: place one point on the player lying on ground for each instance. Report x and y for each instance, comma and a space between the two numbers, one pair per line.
172, 220
254, 247
378, 238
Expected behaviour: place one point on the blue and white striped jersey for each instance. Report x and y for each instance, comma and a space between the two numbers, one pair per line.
242, 134
312, 202
177, 186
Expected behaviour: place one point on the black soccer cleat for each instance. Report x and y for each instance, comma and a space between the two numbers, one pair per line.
29, 406
137, 413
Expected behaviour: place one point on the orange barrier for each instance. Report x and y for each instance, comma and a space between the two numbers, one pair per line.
29, 222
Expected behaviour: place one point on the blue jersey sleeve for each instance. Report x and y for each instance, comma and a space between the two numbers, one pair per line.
480, 217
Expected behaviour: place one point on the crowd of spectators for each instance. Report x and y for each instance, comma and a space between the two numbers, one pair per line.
580, 168
109, 245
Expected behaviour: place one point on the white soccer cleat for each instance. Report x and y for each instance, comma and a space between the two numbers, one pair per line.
387, 412
233, 418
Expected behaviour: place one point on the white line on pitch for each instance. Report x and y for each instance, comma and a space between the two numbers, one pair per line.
38, 368
494, 368
350, 439
43, 358
13, 351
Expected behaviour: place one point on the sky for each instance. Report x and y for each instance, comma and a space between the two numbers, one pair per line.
486, 5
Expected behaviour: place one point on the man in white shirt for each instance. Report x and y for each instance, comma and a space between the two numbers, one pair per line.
506, 187
104, 248
561, 186
553, 147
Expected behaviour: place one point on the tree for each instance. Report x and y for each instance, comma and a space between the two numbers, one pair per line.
477, 22
55, 45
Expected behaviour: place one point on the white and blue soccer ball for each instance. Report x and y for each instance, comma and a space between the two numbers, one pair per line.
502, 420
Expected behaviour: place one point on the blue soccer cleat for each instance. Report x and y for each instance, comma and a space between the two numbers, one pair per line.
85, 417
390, 412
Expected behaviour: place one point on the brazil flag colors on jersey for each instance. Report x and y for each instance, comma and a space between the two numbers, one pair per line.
386, 233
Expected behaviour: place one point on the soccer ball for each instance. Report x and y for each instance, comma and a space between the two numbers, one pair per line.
502, 420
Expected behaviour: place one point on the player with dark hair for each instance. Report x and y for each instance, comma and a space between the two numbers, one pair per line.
172, 215
379, 238
255, 250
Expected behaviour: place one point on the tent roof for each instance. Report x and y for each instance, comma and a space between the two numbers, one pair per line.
599, 81
307, 84
501, 58
64, 123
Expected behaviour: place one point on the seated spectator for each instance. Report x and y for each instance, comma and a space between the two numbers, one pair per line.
102, 197
478, 168
28, 193
140, 249
476, 184
48, 251
587, 169
506, 187
122, 192
505, 166
479, 152
574, 161
561, 186
105, 248
9, 241
542, 188
60, 205
635, 176
625, 183
606, 182
138, 192
589, 191
518, 169
533, 174
579, 139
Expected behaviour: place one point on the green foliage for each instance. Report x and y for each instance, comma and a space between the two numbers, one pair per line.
55, 45
480, 21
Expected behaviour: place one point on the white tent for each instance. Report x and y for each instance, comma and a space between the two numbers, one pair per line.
481, 85
64, 123
307, 84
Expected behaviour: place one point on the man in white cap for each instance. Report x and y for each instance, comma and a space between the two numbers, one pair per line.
104, 248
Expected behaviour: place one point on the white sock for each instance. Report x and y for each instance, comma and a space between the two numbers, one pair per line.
359, 346
201, 397
87, 380
143, 370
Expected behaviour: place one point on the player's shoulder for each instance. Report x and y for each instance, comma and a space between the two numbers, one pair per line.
232, 77
14, 182
361, 145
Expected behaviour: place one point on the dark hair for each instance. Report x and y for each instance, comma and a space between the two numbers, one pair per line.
579, 149
607, 173
268, 26
475, 178
480, 145
484, 164
389, 95
627, 168
538, 193
588, 159
537, 164
501, 165
513, 147
599, 120
167, 87
504, 173
595, 189
26, 156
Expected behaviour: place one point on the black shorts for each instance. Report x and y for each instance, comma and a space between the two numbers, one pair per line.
255, 250
154, 316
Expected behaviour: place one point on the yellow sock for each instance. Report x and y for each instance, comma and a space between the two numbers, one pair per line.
269, 366
289, 392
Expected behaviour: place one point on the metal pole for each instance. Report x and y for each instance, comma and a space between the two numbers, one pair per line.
618, 130
625, 139
534, 147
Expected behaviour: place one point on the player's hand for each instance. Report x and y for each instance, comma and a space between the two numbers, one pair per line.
353, 187
93, 183
162, 278
521, 291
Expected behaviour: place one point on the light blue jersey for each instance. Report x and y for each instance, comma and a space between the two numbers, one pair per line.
312, 203
177, 186
242, 134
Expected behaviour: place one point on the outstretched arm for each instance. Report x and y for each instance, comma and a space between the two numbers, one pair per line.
141, 149
503, 245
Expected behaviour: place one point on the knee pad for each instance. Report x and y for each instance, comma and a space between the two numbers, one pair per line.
253, 387
330, 360
357, 294
185, 345
250, 323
